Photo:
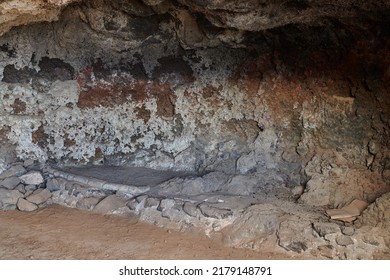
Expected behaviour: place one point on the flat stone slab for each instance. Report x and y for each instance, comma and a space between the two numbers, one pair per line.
32, 178
109, 204
15, 170
349, 212
9, 196
39, 196
25, 205
10, 182
137, 176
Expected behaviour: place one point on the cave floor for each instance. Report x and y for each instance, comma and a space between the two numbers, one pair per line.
58, 232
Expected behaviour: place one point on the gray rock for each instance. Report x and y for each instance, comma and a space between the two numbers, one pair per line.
254, 226
132, 204
26, 194
296, 234
24, 205
140, 198
372, 240
28, 162
20, 188
39, 196
9, 197
194, 186
30, 188
151, 202
247, 163
297, 191
32, 178
377, 213
242, 185
348, 231
190, 209
326, 228
326, 251
109, 204
214, 212
10, 183
172, 214
344, 240
317, 193
123, 212
87, 203
166, 204
53, 185
13, 171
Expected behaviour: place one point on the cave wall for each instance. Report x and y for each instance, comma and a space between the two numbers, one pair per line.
188, 86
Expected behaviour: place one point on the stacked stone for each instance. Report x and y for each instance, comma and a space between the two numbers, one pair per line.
23, 188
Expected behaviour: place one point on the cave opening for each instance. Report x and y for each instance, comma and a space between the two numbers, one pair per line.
263, 123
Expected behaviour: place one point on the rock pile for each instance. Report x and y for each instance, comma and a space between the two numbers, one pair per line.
23, 188
268, 220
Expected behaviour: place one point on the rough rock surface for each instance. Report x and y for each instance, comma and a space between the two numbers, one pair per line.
377, 213
245, 15
278, 104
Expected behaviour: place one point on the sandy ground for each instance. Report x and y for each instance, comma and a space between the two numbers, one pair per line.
57, 232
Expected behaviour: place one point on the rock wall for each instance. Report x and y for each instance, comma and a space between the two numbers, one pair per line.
192, 86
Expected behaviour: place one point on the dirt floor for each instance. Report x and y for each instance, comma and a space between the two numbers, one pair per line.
57, 232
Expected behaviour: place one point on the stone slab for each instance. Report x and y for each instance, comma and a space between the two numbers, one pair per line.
348, 213
13, 171
39, 196
10, 183
32, 178
25, 205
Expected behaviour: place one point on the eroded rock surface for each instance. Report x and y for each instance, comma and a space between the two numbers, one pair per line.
269, 112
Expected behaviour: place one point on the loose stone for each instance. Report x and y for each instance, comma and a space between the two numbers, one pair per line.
32, 178
343, 240
190, 209
39, 196
13, 171
10, 183
25, 205
109, 204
